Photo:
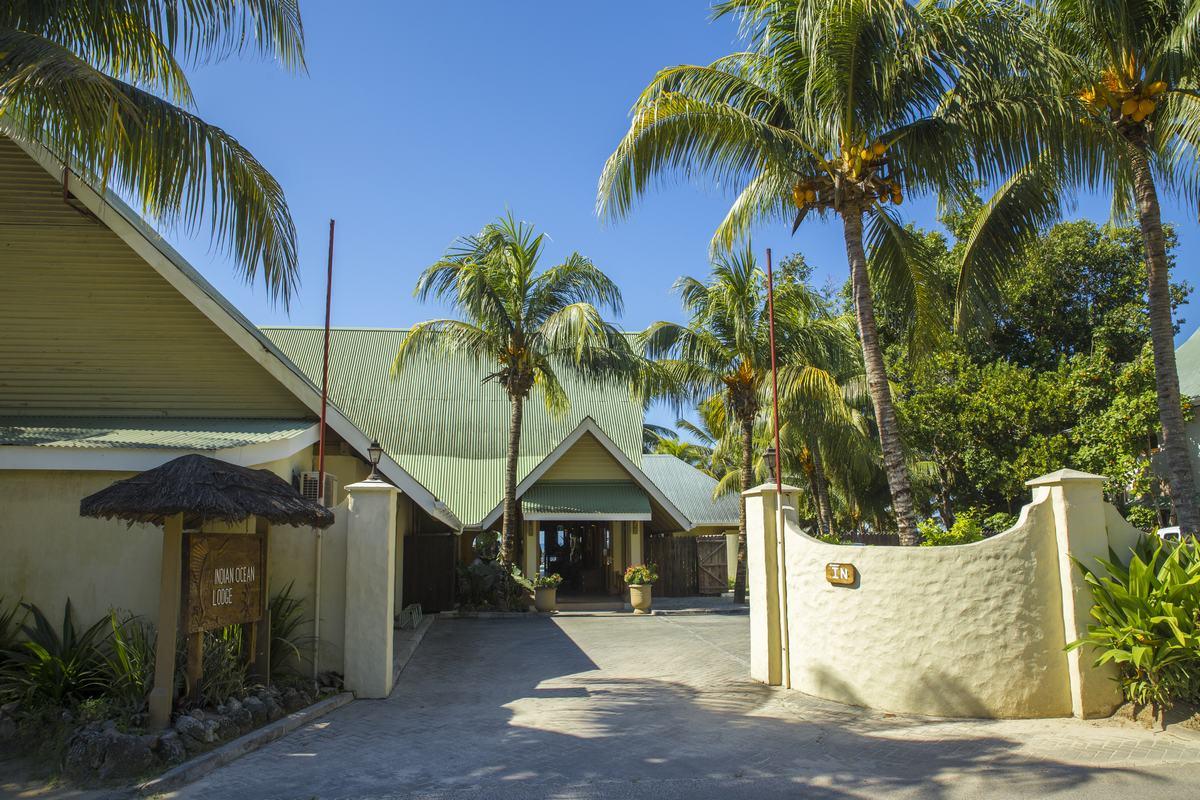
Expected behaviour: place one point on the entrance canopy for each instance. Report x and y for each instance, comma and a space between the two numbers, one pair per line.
571, 501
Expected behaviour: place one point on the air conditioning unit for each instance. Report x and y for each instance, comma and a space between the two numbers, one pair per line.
310, 483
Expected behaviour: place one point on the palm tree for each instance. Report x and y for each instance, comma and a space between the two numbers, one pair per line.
724, 351
839, 108
528, 324
102, 86
689, 452
1127, 74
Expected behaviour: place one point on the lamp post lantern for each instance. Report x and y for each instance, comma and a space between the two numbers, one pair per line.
374, 453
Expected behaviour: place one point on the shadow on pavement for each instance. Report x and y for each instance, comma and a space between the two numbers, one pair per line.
516, 708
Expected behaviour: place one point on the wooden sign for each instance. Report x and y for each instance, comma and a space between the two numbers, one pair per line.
225, 573
841, 574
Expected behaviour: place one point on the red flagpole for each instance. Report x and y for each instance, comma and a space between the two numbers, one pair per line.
325, 371
774, 371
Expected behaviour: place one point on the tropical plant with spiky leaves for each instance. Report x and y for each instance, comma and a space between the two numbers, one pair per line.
841, 108
103, 87
1127, 77
724, 351
529, 324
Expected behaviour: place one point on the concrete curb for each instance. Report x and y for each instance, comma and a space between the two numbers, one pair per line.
196, 768
400, 659
681, 612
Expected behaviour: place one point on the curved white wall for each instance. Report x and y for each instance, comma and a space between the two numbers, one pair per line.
972, 630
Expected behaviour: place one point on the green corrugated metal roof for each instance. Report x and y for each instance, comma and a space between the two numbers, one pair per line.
153, 432
586, 497
691, 490
441, 423
1187, 364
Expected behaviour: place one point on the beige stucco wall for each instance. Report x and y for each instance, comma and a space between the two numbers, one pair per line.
49, 553
973, 630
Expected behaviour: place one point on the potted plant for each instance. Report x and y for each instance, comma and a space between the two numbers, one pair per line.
545, 591
639, 577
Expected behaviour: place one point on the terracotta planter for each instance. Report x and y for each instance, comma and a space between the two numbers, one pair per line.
639, 598
546, 599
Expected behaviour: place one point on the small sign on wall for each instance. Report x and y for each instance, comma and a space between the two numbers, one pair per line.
841, 574
224, 580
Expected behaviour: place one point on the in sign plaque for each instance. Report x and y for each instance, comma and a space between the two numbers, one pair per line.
841, 574
224, 580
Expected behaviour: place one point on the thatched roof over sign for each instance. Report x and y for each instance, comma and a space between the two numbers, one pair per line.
205, 487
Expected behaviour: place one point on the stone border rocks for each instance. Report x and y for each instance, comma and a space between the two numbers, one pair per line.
205, 763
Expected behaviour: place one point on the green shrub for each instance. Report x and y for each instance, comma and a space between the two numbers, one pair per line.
967, 528
1143, 517
1146, 621
998, 523
488, 584
10, 625
223, 664
56, 667
129, 662
290, 645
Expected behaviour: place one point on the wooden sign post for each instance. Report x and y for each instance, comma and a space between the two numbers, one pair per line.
163, 694
225, 582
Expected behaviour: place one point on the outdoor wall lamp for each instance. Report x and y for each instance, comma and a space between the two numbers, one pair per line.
769, 457
374, 452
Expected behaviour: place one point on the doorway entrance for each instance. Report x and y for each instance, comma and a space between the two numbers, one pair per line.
582, 553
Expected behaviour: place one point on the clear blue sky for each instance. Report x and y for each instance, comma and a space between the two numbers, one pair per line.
417, 123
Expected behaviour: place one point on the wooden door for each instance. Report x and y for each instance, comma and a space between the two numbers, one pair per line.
429, 571
678, 567
712, 564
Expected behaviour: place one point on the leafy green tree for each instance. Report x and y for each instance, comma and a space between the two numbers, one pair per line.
102, 86
1061, 376
839, 108
1127, 75
530, 324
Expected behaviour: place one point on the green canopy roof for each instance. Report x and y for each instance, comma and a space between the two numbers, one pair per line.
567, 500
441, 423
692, 491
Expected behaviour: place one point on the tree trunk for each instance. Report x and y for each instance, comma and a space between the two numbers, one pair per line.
508, 536
877, 381
1162, 337
739, 583
824, 508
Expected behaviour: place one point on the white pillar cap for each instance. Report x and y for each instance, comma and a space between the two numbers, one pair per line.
1066, 476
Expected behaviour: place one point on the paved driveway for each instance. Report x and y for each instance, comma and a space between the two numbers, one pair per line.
659, 707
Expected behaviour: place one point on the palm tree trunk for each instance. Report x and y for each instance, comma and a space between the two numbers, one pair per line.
877, 381
824, 509
508, 535
739, 583
1162, 337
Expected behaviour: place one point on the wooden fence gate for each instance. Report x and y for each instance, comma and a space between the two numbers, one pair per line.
678, 565
712, 564
429, 571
